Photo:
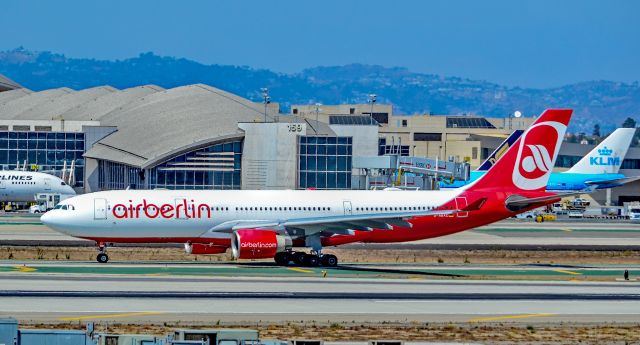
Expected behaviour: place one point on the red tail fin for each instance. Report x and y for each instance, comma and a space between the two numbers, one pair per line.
527, 165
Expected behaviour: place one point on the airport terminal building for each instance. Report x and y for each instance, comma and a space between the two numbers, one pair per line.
200, 137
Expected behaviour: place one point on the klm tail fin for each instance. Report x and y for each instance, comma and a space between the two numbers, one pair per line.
498, 152
607, 157
527, 165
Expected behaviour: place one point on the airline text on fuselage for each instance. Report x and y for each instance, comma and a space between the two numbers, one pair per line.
182, 209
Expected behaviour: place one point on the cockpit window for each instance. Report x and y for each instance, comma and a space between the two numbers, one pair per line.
63, 184
64, 207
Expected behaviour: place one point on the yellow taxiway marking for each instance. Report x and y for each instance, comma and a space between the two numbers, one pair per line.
567, 229
109, 316
568, 272
25, 269
509, 317
299, 270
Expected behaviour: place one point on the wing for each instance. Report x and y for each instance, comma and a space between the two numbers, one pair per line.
341, 223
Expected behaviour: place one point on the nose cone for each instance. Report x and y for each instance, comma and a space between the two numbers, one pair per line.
54, 220
48, 218
69, 190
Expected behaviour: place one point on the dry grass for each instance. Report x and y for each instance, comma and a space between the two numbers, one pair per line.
444, 332
346, 255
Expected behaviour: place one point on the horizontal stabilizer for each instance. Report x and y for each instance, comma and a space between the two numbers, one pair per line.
617, 182
474, 206
517, 202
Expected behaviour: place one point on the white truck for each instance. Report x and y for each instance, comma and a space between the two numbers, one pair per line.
46, 202
633, 211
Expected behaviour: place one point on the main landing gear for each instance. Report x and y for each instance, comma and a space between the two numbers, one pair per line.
102, 254
304, 259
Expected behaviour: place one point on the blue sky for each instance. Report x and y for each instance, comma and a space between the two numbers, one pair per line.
524, 43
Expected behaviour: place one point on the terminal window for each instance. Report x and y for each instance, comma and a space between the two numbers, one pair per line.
324, 162
47, 151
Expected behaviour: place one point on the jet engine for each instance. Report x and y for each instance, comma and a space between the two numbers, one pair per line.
203, 249
258, 244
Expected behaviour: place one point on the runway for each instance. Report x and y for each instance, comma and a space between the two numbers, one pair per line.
142, 298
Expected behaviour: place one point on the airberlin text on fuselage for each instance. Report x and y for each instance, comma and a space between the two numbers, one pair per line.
182, 209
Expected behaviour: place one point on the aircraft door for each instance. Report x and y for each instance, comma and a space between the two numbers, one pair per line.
2, 184
99, 209
47, 183
347, 208
461, 202
181, 212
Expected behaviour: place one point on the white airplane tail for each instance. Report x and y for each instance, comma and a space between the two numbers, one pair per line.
607, 157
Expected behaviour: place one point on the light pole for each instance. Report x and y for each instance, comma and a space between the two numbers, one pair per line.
317, 113
372, 100
266, 100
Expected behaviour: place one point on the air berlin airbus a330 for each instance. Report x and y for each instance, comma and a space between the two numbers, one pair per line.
268, 224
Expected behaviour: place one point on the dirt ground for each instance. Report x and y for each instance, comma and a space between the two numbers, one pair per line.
346, 255
442, 332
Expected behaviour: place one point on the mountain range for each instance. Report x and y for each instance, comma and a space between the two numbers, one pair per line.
606, 103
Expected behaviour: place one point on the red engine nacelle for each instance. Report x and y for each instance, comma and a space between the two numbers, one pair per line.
203, 249
257, 244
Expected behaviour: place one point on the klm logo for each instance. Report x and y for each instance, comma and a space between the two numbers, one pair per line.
604, 158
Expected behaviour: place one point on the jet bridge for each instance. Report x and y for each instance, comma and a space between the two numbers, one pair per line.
405, 172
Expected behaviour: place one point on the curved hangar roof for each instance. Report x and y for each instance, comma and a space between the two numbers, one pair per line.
177, 120
153, 124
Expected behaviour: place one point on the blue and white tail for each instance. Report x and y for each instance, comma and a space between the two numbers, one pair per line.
607, 157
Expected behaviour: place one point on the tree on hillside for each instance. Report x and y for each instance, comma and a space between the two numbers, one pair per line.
629, 123
596, 131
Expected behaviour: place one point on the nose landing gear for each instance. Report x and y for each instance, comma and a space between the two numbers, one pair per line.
102, 256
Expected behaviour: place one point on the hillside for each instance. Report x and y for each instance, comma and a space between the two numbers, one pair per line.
604, 102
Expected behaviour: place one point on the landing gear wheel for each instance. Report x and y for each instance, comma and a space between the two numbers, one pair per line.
282, 258
300, 258
329, 260
102, 258
311, 260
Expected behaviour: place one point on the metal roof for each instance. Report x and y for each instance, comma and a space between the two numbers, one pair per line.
10, 109
8, 84
153, 124
96, 108
173, 121
53, 108
10, 95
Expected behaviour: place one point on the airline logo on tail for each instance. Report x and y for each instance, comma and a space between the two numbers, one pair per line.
535, 160
604, 158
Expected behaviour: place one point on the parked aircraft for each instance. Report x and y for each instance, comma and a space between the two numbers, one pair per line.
270, 223
599, 168
22, 186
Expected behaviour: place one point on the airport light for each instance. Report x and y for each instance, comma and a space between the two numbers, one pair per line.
372, 100
317, 113
266, 100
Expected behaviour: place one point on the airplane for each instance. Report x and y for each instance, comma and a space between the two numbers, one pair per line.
22, 186
599, 168
260, 224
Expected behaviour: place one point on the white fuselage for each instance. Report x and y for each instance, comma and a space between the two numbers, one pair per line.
22, 186
153, 214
